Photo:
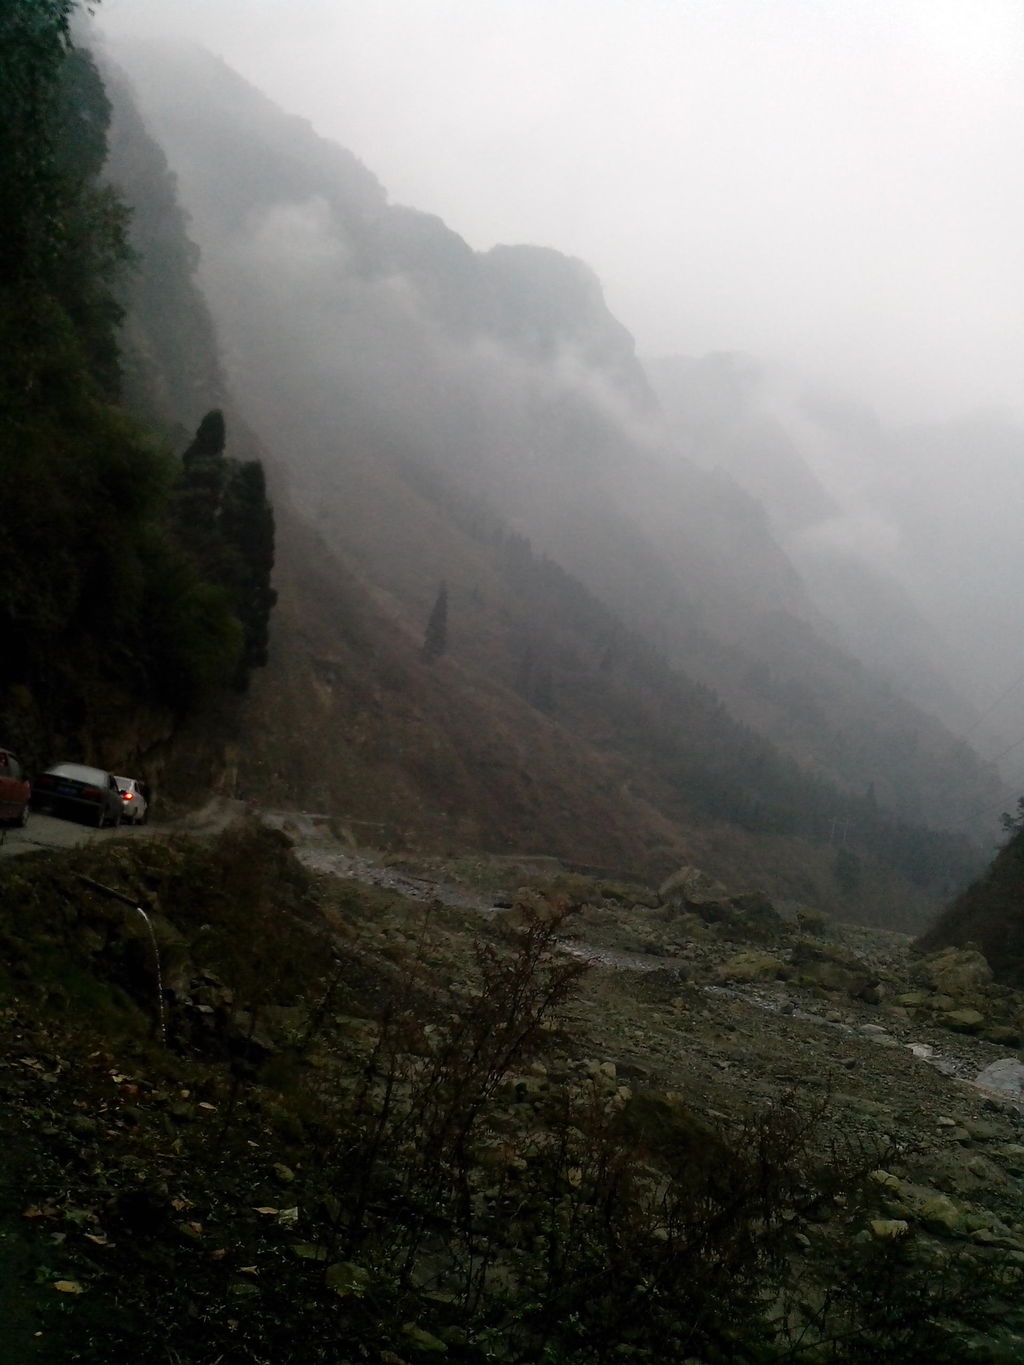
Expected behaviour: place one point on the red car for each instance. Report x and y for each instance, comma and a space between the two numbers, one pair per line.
15, 790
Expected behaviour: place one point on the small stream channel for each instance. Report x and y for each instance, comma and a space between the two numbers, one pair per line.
353, 867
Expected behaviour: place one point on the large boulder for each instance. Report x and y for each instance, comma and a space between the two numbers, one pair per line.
959, 972
749, 914
754, 915
689, 886
1007, 1074
963, 1020
833, 969
752, 966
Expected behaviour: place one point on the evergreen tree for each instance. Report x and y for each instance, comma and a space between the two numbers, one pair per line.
34, 43
204, 478
99, 597
435, 640
227, 522
125, 576
248, 526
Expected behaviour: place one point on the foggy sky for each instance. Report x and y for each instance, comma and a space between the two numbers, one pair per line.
832, 184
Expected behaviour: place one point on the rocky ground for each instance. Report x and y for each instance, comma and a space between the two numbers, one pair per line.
206, 1154
728, 1001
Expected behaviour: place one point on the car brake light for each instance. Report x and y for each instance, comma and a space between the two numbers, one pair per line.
128, 796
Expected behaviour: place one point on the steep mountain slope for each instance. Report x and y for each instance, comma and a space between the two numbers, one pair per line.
735, 418
429, 414
172, 371
537, 733
373, 349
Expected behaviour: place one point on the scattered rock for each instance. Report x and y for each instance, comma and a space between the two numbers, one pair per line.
983, 1130
752, 966
940, 1215
347, 1279
962, 1021
888, 1229
1012, 1154
834, 969
956, 971
1007, 1075
810, 920
423, 1341
914, 1000
690, 886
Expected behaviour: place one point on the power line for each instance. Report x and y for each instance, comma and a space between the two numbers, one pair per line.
985, 714
1018, 785
1008, 750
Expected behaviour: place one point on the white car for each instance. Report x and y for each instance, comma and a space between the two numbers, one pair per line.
135, 807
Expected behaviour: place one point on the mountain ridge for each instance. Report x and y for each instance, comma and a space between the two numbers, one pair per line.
392, 433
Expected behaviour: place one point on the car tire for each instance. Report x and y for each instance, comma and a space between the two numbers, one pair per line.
100, 818
22, 820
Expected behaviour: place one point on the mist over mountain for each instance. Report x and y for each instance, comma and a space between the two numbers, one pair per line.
905, 536
362, 334
820, 468
510, 703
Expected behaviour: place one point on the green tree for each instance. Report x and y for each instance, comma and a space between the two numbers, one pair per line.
200, 495
34, 41
248, 527
103, 604
1013, 824
227, 522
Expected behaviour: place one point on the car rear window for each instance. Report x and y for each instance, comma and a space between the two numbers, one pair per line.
77, 772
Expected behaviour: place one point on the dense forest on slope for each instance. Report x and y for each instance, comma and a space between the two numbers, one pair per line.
127, 581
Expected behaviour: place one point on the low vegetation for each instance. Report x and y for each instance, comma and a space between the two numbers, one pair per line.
366, 1142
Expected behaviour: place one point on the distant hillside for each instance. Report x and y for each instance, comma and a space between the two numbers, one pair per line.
436, 414
373, 349
990, 914
734, 418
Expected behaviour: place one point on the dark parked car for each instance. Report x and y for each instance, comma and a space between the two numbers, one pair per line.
74, 789
14, 790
